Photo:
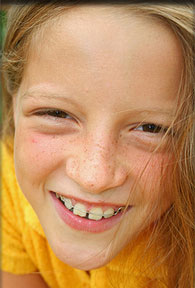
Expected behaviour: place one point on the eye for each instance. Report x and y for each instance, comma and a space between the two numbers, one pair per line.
151, 128
54, 113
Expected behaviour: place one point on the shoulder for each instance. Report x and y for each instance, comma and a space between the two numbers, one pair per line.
13, 201
7, 158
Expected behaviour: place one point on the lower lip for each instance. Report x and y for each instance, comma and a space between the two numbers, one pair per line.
83, 224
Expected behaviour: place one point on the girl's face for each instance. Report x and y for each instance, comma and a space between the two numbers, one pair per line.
97, 87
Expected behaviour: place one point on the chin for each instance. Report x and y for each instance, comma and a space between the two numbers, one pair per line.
80, 259
89, 264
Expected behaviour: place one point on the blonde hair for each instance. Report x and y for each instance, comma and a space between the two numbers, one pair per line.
176, 226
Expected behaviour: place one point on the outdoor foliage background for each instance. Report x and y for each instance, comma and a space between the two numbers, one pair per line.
3, 23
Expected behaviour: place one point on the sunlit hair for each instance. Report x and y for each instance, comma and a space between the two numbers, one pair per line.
172, 234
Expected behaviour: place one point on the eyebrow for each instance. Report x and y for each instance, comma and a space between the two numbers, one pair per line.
153, 110
50, 96
64, 98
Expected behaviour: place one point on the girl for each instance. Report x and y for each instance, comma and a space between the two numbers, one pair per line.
98, 107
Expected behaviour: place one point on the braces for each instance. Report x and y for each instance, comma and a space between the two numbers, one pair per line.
115, 212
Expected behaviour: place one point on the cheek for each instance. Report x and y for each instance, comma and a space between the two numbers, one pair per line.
36, 155
150, 174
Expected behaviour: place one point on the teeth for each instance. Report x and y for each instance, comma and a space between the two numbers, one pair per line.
62, 198
120, 209
109, 213
95, 214
68, 203
79, 209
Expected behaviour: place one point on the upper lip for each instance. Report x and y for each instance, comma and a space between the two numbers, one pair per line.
96, 204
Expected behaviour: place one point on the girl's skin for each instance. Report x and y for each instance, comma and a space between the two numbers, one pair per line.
112, 73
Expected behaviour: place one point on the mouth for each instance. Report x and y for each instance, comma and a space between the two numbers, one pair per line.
86, 216
95, 213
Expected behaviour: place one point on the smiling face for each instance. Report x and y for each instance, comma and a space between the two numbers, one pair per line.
109, 83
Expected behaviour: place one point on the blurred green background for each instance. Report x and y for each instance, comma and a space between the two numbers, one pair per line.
2, 35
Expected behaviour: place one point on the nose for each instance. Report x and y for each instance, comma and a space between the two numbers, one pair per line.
96, 167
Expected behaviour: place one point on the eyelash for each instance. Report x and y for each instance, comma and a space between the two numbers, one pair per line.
152, 128
54, 113
148, 127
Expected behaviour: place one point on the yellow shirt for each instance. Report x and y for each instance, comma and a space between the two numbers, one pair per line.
25, 248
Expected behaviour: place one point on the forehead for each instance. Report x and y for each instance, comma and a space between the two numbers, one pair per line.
98, 24
107, 48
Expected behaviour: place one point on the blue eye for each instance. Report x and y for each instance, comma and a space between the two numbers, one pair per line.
151, 128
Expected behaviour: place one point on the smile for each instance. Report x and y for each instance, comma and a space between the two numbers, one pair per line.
95, 213
85, 216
